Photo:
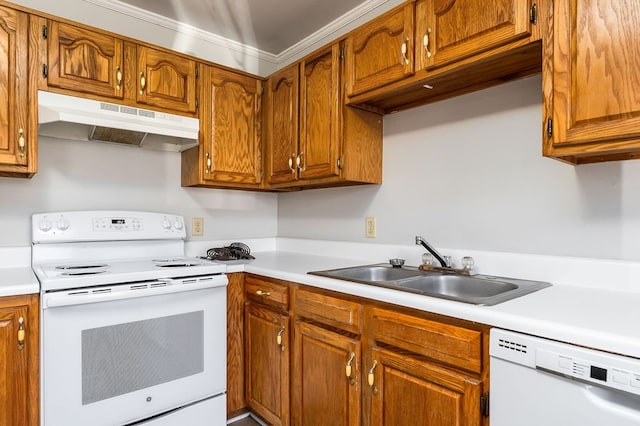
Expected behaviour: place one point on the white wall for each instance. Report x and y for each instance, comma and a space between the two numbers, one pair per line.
77, 175
468, 173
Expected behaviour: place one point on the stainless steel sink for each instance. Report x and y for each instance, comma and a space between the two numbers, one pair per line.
371, 273
475, 289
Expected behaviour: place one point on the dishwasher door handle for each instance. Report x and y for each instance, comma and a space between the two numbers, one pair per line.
615, 402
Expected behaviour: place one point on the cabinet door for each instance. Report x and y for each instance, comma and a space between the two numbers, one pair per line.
16, 141
406, 391
166, 80
85, 61
267, 363
594, 96
282, 122
381, 51
450, 30
320, 119
231, 123
19, 361
322, 391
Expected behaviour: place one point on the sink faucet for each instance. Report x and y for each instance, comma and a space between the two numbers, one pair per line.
434, 252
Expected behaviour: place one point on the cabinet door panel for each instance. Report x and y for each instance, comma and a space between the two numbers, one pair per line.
375, 51
14, 98
233, 135
267, 364
596, 90
320, 120
85, 61
405, 389
450, 30
166, 80
283, 92
322, 392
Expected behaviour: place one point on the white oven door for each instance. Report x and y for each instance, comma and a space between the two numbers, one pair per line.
130, 356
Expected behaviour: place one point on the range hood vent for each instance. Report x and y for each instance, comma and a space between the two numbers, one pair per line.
70, 117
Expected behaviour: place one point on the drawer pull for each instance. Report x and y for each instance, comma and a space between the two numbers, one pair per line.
20, 333
371, 378
263, 293
279, 338
403, 49
143, 83
425, 42
348, 368
21, 142
118, 78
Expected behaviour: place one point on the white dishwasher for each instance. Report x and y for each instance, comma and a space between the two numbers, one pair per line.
540, 382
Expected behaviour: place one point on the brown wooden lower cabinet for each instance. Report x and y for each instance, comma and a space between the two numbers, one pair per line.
19, 379
406, 391
326, 383
267, 363
358, 362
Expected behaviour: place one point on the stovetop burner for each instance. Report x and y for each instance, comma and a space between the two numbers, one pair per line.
66, 267
80, 273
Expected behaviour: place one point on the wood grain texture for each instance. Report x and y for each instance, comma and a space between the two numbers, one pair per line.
267, 291
410, 391
16, 104
332, 311
320, 120
235, 344
19, 369
267, 365
322, 394
374, 55
282, 121
449, 344
85, 61
170, 80
595, 95
457, 29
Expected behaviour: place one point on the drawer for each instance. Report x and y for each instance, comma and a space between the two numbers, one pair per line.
332, 311
268, 292
457, 346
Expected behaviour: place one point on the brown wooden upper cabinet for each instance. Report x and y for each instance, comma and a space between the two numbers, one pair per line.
17, 115
381, 51
451, 30
166, 80
84, 60
313, 139
590, 79
229, 154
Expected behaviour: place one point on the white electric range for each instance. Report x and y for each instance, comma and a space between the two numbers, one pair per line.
132, 331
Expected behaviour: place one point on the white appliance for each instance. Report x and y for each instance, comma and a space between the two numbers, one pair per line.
71, 117
536, 382
131, 330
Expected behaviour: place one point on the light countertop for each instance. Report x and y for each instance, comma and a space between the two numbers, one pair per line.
594, 317
16, 275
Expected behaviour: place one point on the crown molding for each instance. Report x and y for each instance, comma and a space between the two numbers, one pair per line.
329, 31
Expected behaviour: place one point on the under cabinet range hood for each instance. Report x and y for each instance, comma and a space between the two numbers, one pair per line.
70, 117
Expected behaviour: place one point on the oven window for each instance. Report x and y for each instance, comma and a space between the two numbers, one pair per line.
123, 358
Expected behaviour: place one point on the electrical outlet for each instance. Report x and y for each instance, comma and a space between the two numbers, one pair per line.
370, 227
197, 226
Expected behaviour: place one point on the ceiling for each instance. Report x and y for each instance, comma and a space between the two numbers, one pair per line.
269, 25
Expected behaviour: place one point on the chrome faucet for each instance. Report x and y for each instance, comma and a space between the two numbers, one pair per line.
434, 252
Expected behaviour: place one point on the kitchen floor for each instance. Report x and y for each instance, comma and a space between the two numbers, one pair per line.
247, 421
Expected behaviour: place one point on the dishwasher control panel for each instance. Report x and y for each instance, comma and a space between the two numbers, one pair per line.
587, 365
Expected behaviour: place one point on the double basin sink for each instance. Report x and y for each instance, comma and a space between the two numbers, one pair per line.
475, 289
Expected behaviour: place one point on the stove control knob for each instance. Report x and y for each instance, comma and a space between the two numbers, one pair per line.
63, 224
166, 224
178, 224
44, 225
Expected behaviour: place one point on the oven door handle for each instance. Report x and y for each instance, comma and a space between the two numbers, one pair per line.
130, 291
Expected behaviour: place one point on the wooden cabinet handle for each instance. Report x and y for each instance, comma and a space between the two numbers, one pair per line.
425, 42
403, 48
21, 333
143, 83
208, 163
118, 78
293, 169
263, 293
22, 142
352, 355
371, 378
279, 338
300, 161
